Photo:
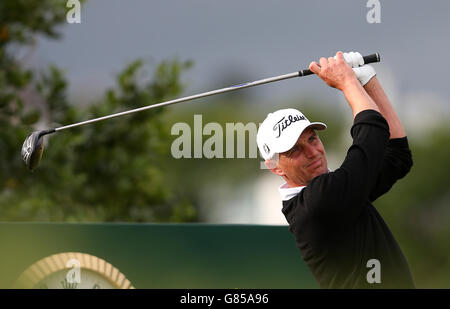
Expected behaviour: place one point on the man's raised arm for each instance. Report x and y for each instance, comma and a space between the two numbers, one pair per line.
376, 92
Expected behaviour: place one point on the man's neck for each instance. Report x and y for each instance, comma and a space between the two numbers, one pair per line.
291, 184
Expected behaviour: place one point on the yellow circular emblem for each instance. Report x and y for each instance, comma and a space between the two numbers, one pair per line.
72, 270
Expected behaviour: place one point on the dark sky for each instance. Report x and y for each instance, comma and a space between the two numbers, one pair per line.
252, 39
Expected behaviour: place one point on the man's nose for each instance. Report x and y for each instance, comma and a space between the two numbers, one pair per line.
310, 151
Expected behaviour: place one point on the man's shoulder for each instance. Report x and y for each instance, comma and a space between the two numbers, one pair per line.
317, 197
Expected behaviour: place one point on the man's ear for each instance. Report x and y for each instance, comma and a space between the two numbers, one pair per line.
272, 165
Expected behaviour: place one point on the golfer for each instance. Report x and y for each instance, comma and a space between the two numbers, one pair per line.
340, 234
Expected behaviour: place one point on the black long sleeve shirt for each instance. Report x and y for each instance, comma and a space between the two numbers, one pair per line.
337, 229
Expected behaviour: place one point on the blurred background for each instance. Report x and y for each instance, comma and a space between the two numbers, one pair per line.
127, 54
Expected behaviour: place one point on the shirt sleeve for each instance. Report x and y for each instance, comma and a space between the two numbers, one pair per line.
397, 162
342, 193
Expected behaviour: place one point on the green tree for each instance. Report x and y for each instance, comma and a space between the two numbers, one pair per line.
107, 171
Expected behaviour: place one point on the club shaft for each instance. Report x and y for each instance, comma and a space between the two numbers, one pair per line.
367, 59
184, 99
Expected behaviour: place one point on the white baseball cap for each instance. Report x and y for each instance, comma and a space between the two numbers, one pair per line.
280, 131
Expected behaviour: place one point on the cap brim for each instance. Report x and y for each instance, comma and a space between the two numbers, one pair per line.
317, 126
313, 125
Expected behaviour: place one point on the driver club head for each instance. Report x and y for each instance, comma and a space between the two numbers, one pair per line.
33, 147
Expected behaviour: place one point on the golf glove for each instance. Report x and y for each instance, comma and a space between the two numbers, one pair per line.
354, 59
364, 73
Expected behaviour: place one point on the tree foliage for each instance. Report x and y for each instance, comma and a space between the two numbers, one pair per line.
106, 171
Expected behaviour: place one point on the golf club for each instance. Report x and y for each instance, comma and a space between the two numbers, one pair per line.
33, 146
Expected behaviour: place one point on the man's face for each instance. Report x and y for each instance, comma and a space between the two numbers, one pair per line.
304, 161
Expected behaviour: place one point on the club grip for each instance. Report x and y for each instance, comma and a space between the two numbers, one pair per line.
367, 59
371, 58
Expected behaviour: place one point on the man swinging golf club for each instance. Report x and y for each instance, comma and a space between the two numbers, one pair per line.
340, 234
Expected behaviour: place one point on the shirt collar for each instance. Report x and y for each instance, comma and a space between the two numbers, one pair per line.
287, 193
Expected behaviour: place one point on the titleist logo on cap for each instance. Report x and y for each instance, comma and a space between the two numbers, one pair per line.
281, 125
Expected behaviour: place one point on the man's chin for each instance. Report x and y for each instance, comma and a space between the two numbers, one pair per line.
319, 171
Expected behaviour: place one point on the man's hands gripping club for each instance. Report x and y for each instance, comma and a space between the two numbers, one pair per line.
337, 73
363, 72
